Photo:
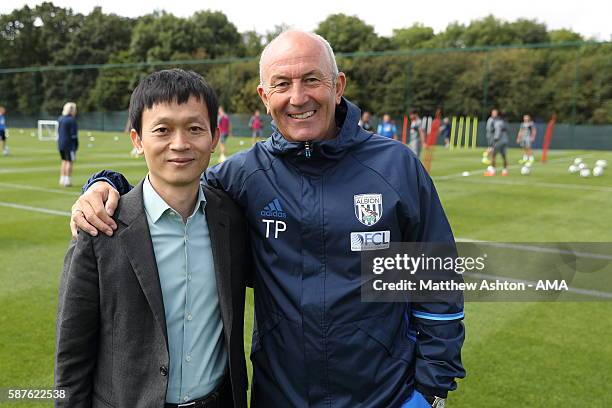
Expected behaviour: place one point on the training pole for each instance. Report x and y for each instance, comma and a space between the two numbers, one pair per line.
452, 135
460, 132
404, 129
548, 136
474, 133
431, 141
466, 142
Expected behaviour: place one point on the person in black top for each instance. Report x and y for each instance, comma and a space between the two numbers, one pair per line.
67, 142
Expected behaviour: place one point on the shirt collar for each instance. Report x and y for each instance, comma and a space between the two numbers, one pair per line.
155, 206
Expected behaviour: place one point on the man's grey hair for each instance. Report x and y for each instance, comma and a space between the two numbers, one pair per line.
69, 109
326, 45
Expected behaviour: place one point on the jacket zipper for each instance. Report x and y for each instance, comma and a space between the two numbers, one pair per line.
307, 150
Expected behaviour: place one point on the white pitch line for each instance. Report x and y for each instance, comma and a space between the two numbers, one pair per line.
479, 171
34, 209
540, 184
586, 292
43, 189
580, 291
95, 166
535, 248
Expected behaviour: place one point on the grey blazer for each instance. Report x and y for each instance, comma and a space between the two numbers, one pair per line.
112, 344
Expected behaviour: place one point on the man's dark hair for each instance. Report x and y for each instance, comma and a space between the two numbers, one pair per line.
168, 86
413, 111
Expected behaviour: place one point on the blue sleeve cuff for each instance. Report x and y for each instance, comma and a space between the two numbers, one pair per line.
91, 181
115, 179
438, 316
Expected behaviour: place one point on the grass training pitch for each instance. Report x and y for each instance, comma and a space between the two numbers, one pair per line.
516, 354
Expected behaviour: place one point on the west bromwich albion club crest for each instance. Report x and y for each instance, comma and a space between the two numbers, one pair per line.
368, 208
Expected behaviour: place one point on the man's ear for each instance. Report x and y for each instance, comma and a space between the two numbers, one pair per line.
215, 140
340, 85
264, 97
136, 141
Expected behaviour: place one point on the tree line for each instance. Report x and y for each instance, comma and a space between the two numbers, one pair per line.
414, 67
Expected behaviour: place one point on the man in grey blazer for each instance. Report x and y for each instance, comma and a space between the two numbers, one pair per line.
153, 316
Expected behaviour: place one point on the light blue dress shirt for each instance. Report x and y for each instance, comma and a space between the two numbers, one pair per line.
198, 357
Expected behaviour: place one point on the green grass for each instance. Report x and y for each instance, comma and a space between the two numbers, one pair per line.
516, 354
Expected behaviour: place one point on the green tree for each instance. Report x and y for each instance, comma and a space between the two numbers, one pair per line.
214, 33
564, 35
93, 42
347, 33
252, 42
529, 32
416, 36
114, 86
32, 37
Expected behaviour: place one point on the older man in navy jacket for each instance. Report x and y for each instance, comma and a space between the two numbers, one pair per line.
316, 343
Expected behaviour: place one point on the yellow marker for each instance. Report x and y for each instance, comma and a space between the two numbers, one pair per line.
460, 135
474, 133
452, 134
467, 132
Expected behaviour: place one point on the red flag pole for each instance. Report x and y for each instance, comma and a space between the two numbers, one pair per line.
548, 136
431, 140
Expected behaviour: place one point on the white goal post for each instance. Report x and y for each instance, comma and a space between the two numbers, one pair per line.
47, 130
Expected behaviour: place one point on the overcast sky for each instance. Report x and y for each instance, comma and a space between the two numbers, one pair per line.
591, 18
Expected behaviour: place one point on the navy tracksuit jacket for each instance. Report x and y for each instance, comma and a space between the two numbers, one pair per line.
315, 343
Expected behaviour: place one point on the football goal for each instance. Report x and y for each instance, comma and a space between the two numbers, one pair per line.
47, 130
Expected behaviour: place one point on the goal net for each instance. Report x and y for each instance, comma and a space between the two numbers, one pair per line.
47, 130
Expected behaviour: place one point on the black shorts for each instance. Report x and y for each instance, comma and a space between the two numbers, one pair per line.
2, 134
500, 148
68, 155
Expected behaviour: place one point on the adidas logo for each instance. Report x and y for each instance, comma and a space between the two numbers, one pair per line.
274, 209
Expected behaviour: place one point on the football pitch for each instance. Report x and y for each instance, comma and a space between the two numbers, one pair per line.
516, 354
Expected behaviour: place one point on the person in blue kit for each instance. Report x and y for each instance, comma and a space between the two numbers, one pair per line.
67, 142
387, 128
4, 148
316, 344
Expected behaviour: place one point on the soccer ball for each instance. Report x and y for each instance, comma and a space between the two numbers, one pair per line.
585, 172
525, 170
582, 166
601, 163
573, 169
598, 171
577, 160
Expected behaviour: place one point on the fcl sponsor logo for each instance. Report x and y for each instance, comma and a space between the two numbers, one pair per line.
368, 208
370, 240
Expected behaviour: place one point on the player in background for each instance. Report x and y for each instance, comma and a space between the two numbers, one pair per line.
387, 128
525, 138
500, 144
490, 132
224, 125
364, 122
5, 150
445, 129
416, 139
256, 125
67, 142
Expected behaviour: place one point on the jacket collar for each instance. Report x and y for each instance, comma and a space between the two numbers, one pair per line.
349, 134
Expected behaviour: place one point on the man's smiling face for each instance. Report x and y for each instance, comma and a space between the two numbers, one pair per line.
177, 141
299, 88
